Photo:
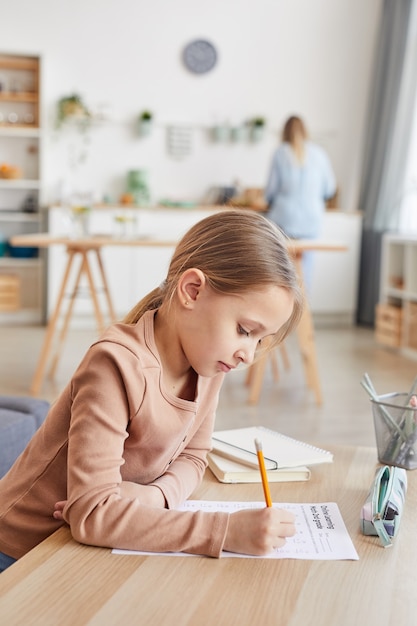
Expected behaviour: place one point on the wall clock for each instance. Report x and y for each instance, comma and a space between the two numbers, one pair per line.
200, 56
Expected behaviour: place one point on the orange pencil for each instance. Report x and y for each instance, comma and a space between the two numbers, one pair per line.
261, 461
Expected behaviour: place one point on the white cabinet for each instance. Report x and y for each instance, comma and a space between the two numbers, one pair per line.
334, 290
396, 321
20, 181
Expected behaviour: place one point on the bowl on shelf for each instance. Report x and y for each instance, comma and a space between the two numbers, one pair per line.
23, 252
3, 247
11, 172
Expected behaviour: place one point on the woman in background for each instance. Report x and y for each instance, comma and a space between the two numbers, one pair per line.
301, 179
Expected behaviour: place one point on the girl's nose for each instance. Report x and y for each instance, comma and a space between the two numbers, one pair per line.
246, 355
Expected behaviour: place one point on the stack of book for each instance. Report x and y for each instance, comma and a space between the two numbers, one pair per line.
233, 458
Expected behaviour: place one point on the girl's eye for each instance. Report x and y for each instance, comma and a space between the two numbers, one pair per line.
242, 331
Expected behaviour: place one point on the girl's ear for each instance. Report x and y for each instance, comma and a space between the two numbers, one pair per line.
190, 286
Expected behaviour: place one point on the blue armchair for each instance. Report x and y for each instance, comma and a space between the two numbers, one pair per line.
19, 420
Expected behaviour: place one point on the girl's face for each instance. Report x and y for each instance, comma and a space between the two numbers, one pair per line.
222, 331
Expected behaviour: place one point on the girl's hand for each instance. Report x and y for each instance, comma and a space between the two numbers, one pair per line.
58, 512
259, 531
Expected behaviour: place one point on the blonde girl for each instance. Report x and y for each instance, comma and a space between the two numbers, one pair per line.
126, 441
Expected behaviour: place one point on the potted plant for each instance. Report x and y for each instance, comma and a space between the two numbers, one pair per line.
240, 133
72, 107
145, 123
221, 132
257, 128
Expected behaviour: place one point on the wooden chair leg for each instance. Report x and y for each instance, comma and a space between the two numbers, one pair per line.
306, 342
284, 355
112, 313
64, 329
257, 375
47, 344
249, 376
307, 345
274, 365
93, 292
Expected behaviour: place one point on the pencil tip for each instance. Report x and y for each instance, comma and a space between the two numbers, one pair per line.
258, 445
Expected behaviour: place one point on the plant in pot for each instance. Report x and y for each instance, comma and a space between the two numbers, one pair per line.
240, 132
72, 107
257, 128
221, 132
145, 123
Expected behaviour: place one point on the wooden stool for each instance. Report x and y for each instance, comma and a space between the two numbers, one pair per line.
84, 269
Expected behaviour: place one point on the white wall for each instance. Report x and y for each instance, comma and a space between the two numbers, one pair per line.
276, 57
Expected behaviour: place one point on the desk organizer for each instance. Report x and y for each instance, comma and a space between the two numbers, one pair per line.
395, 422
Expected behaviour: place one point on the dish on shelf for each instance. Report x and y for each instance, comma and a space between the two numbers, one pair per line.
397, 282
3, 247
22, 252
10, 171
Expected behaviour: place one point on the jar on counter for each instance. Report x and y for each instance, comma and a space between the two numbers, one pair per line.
137, 186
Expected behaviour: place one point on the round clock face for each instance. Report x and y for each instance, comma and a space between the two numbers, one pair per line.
200, 56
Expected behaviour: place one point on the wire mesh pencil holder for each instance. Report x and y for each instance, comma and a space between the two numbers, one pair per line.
395, 424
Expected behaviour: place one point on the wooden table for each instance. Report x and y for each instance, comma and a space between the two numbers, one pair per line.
88, 248
62, 582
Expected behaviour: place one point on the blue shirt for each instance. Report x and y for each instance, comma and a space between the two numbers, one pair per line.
296, 193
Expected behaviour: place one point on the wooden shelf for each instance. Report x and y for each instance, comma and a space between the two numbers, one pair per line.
399, 260
19, 183
18, 216
19, 130
10, 262
19, 62
20, 96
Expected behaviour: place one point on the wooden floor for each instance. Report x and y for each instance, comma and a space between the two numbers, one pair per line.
287, 405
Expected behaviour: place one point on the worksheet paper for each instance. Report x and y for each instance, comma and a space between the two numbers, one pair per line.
320, 531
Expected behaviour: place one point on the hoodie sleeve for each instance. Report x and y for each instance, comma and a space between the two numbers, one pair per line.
99, 511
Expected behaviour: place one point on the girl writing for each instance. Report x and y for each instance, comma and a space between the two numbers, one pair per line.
126, 441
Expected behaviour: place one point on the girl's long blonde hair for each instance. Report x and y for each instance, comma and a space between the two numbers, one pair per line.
238, 251
295, 133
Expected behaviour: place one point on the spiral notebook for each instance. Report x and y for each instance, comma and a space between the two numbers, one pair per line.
279, 450
228, 471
